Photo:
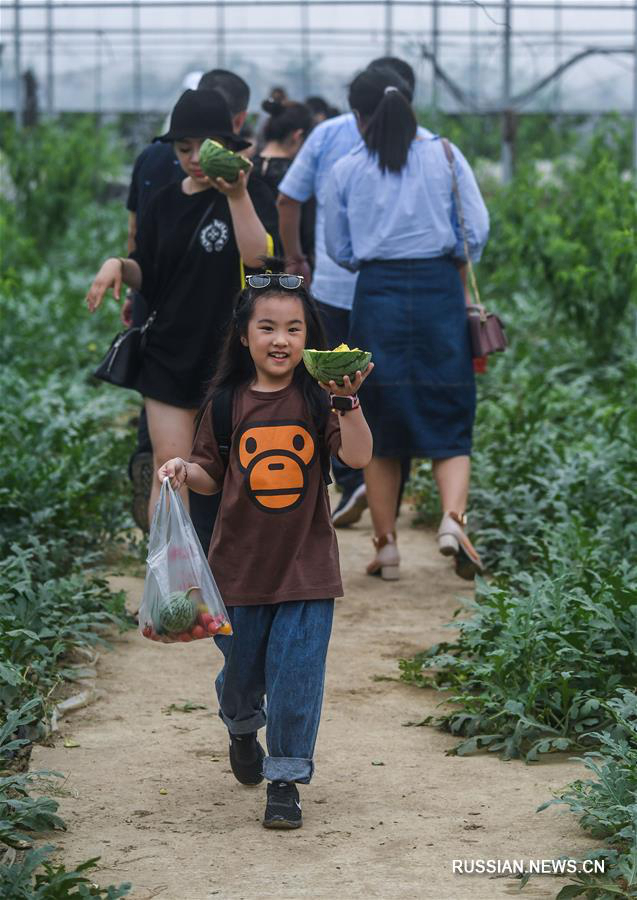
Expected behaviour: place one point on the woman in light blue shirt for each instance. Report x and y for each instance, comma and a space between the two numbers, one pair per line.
391, 216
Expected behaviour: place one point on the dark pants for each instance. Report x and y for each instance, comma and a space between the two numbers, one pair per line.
336, 324
277, 651
203, 509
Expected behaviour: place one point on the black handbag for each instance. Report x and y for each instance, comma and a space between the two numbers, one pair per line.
123, 360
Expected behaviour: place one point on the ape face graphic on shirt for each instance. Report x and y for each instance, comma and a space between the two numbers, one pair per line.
275, 458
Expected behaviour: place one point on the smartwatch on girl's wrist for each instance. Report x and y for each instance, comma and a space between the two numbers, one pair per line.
342, 405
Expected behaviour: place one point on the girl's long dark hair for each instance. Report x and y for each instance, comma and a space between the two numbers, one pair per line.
387, 119
236, 367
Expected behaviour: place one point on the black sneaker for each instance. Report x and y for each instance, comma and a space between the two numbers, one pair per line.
283, 809
246, 758
351, 507
141, 473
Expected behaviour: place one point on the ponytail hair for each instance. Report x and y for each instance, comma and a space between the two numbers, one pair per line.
286, 117
382, 100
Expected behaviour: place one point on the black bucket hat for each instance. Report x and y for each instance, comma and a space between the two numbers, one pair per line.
202, 114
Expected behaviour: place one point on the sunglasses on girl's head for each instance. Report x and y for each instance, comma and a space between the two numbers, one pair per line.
290, 282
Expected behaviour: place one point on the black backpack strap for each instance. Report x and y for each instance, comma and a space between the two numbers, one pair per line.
222, 422
324, 453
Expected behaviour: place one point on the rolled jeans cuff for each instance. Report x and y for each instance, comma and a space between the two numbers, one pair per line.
244, 726
287, 768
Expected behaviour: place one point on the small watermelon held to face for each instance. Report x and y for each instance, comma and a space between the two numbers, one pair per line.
178, 612
217, 161
333, 365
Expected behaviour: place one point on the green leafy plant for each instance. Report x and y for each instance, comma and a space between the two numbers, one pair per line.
544, 656
569, 237
56, 168
529, 666
606, 805
36, 878
62, 494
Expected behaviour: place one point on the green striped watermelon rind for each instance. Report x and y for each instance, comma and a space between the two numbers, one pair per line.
217, 161
333, 365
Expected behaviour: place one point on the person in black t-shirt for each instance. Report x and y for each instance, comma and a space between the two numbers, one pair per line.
284, 132
155, 167
189, 248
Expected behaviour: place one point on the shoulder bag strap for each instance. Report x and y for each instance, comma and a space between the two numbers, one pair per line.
151, 318
193, 238
222, 422
269, 251
456, 193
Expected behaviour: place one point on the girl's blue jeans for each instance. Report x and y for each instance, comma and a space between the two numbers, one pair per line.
277, 651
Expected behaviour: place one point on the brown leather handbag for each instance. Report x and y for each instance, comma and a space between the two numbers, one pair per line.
486, 328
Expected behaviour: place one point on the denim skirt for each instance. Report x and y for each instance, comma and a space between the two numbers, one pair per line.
420, 399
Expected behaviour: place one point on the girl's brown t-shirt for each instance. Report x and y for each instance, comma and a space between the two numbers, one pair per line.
273, 539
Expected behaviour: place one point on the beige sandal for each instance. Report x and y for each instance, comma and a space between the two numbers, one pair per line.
452, 541
387, 558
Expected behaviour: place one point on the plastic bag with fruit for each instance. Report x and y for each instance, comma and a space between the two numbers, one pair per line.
181, 601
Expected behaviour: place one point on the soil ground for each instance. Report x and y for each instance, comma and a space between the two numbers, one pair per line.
149, 788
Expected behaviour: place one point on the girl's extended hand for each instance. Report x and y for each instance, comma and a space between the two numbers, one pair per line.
349, 387
233, 189
110, 275
176, 470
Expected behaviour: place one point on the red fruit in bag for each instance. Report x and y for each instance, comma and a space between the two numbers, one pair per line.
184, 637
204, 619
148, 630
198, 631
213, 628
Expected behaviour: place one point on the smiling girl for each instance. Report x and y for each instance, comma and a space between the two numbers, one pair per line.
274, 553
187, 264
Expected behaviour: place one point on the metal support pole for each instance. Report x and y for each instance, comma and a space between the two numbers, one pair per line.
137, 57
557, 55
507, 123
221, 35
474, 66
305, 48
389, 27
50, 72
435, 49
17, 60
99, 36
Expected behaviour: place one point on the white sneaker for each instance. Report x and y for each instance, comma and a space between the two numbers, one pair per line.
350, 508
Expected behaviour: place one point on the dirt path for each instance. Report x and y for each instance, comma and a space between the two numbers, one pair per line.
387, 812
